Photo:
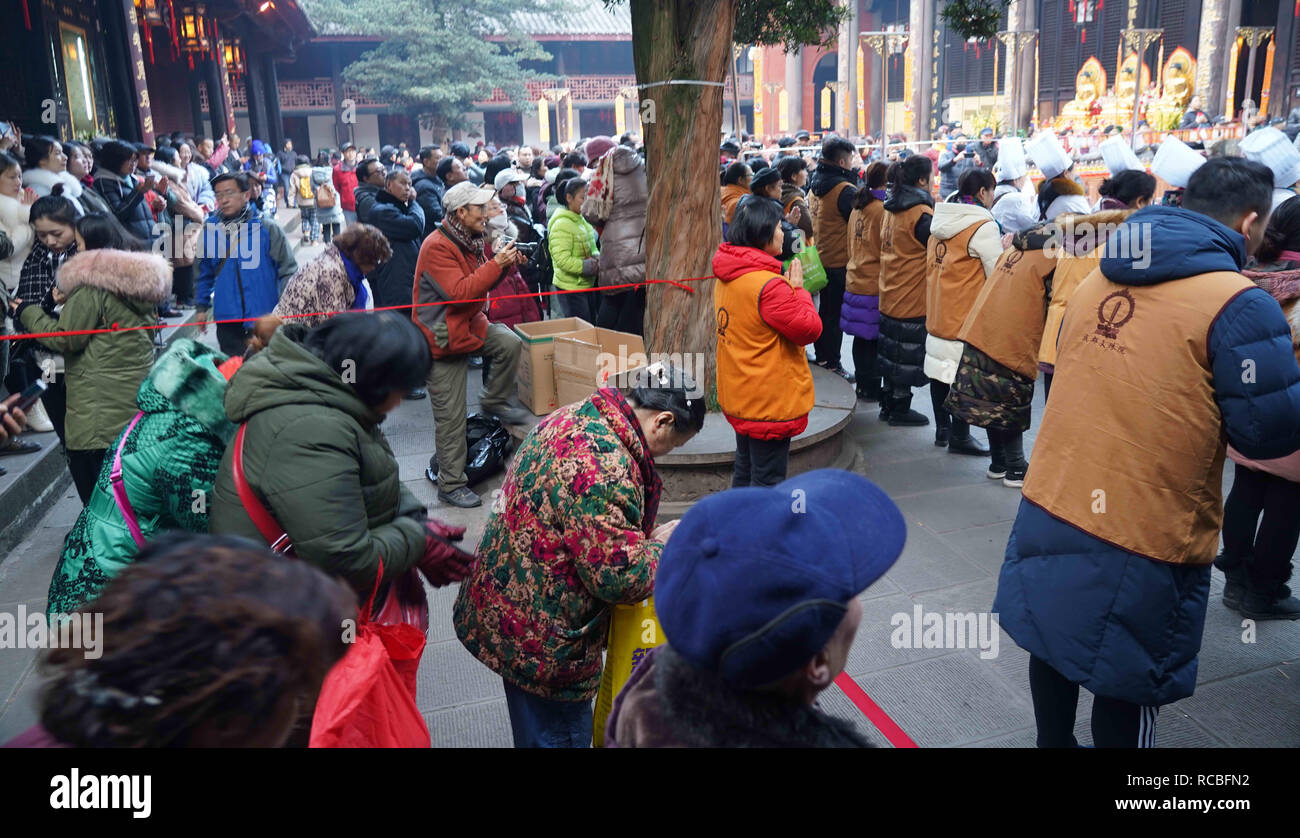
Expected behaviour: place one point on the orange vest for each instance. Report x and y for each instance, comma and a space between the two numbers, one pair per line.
830, 229
731, 195
863, 272
762, 376
902, 264
1006, 321
953, 279
1131, 446
1071, 270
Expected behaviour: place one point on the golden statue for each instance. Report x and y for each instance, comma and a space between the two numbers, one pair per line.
1118, 109
1179, 75
1089, 85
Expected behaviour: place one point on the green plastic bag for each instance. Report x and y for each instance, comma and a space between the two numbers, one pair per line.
814, 275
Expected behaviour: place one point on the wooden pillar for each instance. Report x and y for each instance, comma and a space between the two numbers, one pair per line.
271, 85
794, 85
255, 93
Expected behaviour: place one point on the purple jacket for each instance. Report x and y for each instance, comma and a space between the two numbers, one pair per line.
860, 315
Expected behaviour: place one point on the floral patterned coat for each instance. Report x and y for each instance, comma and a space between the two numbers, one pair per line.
568, 537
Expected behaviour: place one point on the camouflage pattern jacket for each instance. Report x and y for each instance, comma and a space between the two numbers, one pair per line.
568, 536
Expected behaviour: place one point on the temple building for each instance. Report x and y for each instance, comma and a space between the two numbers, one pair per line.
1060, 62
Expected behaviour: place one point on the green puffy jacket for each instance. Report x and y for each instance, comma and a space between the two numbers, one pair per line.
572, 239
316, 458
169, 462
105, 289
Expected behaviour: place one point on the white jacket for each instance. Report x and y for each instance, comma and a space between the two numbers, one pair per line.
942, 357
1068, 204
42, 182
14, 216
1014, 209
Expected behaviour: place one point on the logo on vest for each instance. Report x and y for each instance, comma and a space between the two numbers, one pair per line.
940, 251
1115, 310
1013, 256
887, 237
723, 320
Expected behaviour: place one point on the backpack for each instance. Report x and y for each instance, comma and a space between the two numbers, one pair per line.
304, 188
538, 266
325, 196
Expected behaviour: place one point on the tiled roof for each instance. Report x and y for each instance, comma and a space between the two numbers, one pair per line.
590, 19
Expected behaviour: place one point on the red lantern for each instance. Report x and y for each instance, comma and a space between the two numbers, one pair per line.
1084, 12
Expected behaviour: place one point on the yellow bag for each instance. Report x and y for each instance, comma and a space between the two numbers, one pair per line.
633, 632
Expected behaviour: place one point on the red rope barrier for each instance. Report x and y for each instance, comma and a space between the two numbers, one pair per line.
490, 300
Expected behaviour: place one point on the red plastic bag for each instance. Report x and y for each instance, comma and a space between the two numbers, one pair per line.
368, 698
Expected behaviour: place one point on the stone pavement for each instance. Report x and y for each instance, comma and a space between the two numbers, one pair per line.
958, 522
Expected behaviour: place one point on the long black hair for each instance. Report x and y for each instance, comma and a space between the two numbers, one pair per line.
873, 178
1282, 233
104, 232
377, 354
971, 182
37, 148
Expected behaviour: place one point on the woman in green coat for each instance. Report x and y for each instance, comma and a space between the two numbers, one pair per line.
169, 463
573, 253
100, 289
316, 460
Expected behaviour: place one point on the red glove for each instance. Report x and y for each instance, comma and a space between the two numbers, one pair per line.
443, 562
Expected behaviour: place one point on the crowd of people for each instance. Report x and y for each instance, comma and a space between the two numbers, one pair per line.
955, 273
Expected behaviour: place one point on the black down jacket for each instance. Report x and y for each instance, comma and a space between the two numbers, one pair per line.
902, 351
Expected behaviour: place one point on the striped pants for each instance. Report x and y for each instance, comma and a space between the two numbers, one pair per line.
1115, 723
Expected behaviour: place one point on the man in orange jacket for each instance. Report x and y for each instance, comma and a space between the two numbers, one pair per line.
454, 270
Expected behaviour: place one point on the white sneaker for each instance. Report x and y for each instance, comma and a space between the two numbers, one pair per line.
38, 420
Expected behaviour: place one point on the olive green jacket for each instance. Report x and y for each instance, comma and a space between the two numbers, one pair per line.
316, 458
106, 289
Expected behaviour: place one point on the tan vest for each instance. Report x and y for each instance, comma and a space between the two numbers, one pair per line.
1070, 272
953, 279
1006, 321
762, 375
902, 264
863, 275
830, 229
1131, 446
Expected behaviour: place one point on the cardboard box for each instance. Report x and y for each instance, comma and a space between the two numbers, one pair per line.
585, 360
536, 376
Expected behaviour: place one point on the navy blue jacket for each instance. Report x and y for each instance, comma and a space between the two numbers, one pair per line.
403, 225
1122, 625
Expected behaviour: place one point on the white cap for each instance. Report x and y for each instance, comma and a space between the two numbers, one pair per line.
508, 175
1119, 156
1011, 163
1272, 148
1175, 161
465, 193
1047, 154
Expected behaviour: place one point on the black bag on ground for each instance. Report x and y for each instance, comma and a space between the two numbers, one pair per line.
487, 448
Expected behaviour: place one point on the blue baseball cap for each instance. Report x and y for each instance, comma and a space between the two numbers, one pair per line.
754, 582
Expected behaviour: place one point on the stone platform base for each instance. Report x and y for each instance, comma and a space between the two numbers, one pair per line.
703, 465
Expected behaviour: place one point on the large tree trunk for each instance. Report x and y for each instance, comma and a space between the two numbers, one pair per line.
682, 39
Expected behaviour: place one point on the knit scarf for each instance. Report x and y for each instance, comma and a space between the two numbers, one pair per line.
471, 243
599, 202
354, 278
609, 400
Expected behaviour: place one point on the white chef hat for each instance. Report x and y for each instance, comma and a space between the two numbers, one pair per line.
1119, 156
1048, 155
1175, 162
1272, 148
1011, 163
